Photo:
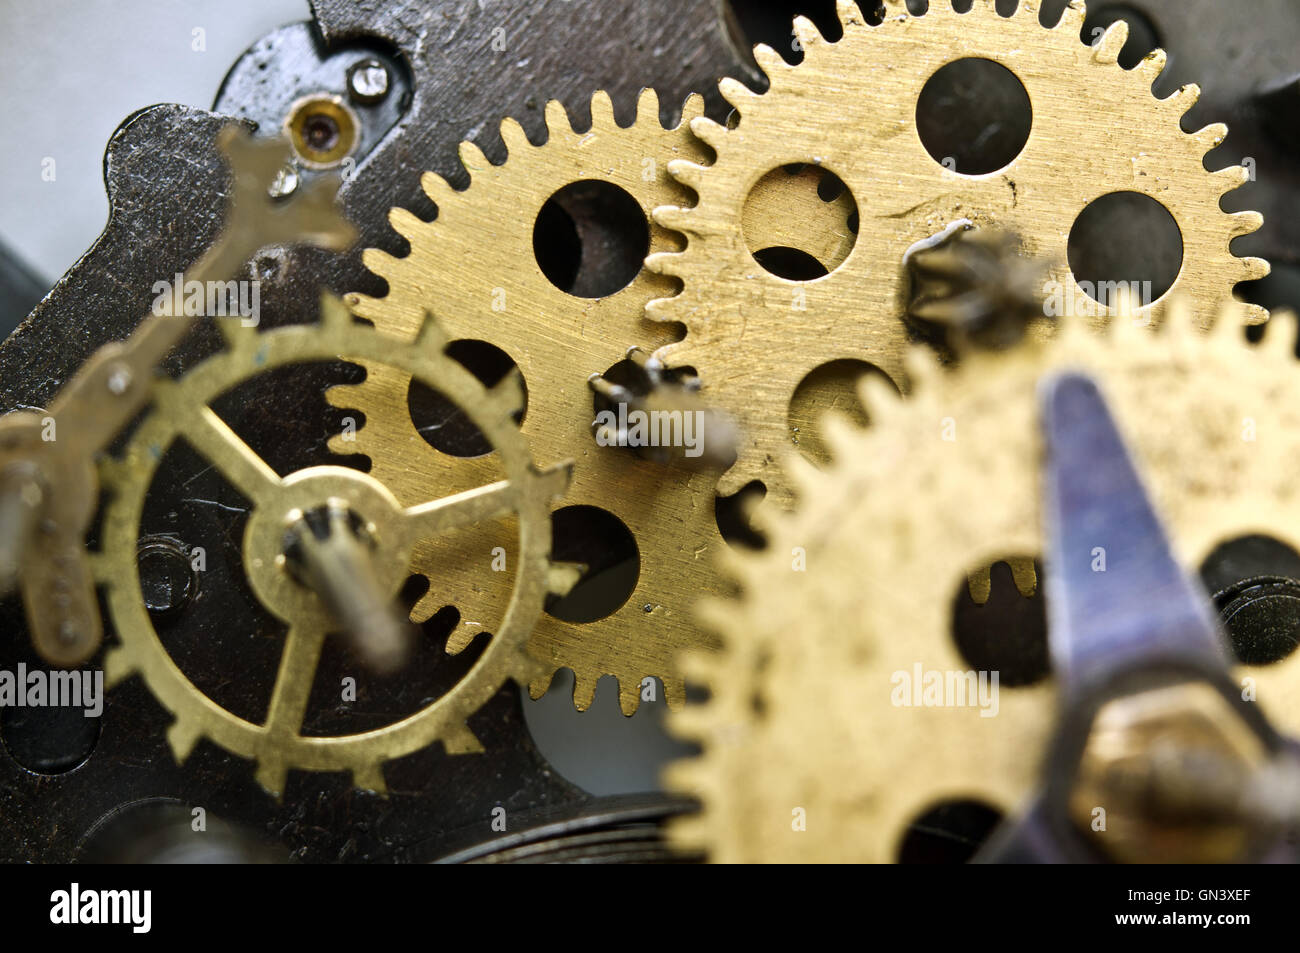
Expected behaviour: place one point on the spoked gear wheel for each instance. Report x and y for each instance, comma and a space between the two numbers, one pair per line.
815, 723
182, 411
475, 266
850, 107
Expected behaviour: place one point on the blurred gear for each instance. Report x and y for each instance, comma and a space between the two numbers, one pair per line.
478, 266
831, 726
850, 107
182, 411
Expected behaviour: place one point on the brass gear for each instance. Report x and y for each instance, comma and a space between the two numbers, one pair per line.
181, 410
809, 722
474, 265
849, 106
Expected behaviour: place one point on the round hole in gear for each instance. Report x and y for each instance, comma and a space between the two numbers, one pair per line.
1125, 241
52, 739
1000, 624
445, 426
591, 238
974, 116
830, 387
950, 833
600, 541
1255, 584
800, 222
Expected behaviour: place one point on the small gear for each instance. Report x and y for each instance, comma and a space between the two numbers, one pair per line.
475, 266
849, 107
181, 411
815, 726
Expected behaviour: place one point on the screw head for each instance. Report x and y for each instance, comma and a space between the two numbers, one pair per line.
368, 81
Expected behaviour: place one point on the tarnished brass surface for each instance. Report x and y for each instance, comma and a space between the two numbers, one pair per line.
475, 268
850, 107
801, 713
182, 409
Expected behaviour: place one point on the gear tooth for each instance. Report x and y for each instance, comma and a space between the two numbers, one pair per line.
1106, 50
271, 775
540, 684
878, 397
1210, 136
1280, 335
1229, 322
602, 111
713, 614
405, 223
664, 310
674, 692
459, 739
1152, 65
801, 474
561, 577
1255, 314
584, 690
182, 735
672, 217
118, 666
436, 187
460, 638
647, 105
513, 135
345, 396
807, 33
1028, 9
921, 367
1072, 17
1025, 575
1243, 223
669, 263
1182, 99
690, 174
850, 14
712, 134
979, 583
629, 695
1252, 269
370, 777
557, 118
894, 8
840, 433
364, 306
1233, 177
380, 262
692, 108
736, 93
472, 157
431, 338
508, 396
769, 60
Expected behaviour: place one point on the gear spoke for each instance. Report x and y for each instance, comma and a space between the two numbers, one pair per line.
302, 647
480, 504
234, 459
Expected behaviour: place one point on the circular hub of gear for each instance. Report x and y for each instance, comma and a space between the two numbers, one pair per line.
816, 724
850, 107
182, 410
476, 267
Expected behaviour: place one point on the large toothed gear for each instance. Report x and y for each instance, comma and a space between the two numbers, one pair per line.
474, 266
850, 106
182, 411
812, 722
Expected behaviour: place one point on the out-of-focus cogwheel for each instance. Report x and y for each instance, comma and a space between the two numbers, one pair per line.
182, 411
850, 107
475, 267
804, 708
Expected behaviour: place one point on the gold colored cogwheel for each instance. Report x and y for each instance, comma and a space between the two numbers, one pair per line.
474, 266
850, 107
182, 411
811, 723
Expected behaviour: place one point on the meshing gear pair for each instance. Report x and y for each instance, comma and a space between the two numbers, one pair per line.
803, 709
850, 108
182, 411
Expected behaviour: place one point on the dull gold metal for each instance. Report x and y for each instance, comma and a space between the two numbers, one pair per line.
475, 267
812, 722
113, 385
182, 409
850, 108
